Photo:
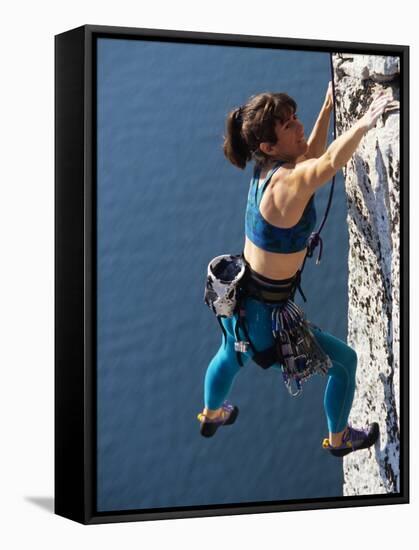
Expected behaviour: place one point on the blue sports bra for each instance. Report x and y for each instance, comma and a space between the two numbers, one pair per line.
270, 237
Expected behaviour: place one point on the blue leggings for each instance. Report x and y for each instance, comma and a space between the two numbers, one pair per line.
223, 367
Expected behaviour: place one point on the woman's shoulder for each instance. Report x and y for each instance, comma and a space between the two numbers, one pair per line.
283, 188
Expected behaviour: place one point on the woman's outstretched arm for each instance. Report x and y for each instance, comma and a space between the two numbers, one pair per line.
317, 141
311, 174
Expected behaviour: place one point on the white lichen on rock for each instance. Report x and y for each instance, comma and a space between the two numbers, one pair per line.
373, 67
372, 181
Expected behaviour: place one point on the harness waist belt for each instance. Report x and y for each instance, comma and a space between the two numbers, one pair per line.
269, 290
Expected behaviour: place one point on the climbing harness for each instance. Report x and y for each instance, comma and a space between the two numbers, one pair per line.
294, 348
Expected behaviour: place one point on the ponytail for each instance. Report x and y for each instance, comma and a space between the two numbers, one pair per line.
235, 147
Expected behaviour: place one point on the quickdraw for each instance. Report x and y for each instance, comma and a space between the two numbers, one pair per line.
298, 352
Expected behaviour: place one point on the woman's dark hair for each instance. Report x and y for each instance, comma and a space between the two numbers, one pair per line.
254, 123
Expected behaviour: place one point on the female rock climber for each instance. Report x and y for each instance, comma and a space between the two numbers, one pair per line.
280, 216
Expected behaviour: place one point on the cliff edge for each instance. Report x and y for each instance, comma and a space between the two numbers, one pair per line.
372, 181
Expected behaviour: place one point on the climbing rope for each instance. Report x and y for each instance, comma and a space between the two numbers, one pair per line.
314, 240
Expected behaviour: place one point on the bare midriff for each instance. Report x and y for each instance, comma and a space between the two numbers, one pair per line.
273, 264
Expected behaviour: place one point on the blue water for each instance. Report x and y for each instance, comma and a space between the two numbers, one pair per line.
167, 202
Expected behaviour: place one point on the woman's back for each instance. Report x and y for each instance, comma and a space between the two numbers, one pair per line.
278, 223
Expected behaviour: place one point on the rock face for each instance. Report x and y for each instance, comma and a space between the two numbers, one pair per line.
372, 188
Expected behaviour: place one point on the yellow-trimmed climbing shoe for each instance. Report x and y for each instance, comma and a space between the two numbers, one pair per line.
354, 440
227, 417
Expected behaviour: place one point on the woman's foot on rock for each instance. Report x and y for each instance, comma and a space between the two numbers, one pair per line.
354, 440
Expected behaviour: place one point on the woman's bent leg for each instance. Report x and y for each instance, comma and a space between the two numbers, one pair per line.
340, 387
224, 366
220, 375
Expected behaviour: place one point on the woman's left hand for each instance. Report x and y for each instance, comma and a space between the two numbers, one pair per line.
329, 96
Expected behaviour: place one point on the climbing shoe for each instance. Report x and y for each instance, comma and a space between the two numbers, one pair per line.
354, 440
226, 417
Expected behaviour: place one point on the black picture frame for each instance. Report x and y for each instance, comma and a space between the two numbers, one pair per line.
75, 272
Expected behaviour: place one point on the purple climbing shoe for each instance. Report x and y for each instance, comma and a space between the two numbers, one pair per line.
227, 416
354, 440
